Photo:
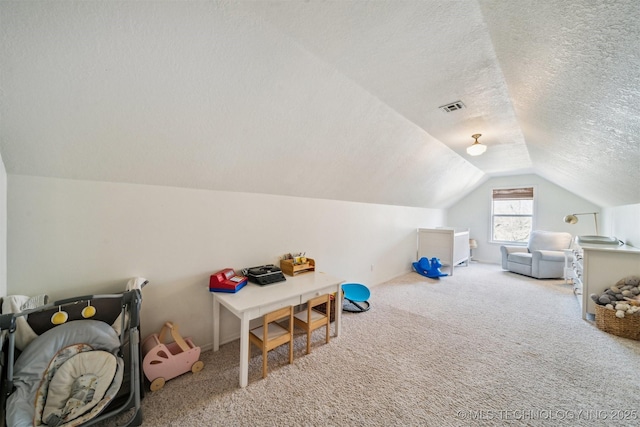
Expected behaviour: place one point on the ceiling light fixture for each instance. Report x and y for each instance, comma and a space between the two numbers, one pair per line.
476, 148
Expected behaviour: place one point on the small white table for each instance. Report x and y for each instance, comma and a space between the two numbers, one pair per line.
254, 301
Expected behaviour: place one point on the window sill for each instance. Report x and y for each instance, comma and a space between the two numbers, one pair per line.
504, 243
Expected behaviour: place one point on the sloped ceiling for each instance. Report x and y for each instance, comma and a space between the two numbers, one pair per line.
335, 100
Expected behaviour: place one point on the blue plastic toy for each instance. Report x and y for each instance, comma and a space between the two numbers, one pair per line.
430, 269
357, 295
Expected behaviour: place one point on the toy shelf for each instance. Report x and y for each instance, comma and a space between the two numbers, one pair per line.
290, 269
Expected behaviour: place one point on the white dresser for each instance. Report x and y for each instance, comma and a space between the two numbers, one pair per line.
598, 267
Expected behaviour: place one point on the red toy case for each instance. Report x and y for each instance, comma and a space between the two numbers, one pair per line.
226, 281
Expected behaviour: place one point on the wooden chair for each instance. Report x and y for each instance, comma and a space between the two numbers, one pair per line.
271, 335
312, 319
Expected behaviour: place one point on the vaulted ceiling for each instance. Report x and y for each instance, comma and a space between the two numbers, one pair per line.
335, 100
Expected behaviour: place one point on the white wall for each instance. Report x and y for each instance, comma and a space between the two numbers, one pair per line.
552, 204
3, 229
623, 222
68, 238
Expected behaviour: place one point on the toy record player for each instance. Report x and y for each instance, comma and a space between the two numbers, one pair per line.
264, 274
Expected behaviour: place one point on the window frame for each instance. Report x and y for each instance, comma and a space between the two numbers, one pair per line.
492, 216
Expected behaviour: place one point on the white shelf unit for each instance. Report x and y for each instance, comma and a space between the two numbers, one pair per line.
450, 245
569, 256
598, 267
573, 272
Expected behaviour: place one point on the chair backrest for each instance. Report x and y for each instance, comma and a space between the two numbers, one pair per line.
272, 338
549, 240
314, 302
282, 313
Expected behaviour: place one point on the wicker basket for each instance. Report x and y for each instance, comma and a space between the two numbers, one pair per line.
627, 327
323, 308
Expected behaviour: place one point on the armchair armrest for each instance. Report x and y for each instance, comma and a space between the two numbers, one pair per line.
511, 249
506, 250
547, 264
555, 256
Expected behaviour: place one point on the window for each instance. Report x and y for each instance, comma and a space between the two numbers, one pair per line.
511, 214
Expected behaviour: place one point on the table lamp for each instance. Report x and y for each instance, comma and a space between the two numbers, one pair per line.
473, 244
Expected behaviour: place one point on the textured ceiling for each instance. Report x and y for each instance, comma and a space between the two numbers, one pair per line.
334, 100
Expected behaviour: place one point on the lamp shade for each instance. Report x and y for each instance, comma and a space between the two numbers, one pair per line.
571, 219
473, 244
476, 149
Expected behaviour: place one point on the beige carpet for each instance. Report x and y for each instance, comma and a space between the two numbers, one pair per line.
484, 347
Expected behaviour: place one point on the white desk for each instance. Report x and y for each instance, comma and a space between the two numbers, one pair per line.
254, 301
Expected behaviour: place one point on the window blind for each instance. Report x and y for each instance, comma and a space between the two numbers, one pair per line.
524, 193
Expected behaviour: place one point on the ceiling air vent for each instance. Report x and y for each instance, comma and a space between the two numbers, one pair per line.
454, 106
